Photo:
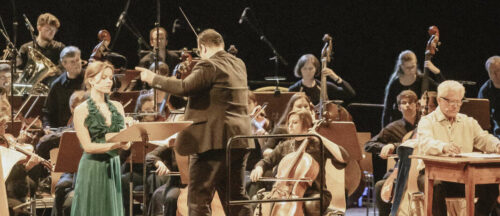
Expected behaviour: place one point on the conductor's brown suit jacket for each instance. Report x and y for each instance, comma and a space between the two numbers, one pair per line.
217, 104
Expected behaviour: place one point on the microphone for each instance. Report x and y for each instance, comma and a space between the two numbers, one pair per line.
120, 19
28, 23
243, 15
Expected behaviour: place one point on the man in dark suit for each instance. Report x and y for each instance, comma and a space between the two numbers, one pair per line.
217, 105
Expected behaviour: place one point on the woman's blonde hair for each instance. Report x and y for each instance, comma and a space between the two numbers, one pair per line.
93, 69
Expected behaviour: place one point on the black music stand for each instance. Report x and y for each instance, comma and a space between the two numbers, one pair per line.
479, 109
141, 133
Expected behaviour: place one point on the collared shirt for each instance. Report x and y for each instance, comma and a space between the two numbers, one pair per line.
435, 131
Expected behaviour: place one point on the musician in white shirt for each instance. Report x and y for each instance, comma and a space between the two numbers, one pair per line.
447, 132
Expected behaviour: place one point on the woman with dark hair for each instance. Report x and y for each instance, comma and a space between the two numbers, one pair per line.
307, 68
406, 76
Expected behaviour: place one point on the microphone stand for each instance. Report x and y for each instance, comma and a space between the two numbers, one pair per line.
120, 22
276, 58
157, 51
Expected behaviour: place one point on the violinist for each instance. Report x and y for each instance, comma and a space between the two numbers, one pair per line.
165, 56
491, 91
23, 176
307, 68
56, 111
47, 26
406, 76
217, 104
389, 138
299, 122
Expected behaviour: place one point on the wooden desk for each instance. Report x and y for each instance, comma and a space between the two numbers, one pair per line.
468, 171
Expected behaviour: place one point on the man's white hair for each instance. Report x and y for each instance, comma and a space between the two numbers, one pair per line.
450, 85
492, 60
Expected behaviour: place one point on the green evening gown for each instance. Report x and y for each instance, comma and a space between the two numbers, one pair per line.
98, 182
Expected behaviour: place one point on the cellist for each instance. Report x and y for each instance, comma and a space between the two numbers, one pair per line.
299, 122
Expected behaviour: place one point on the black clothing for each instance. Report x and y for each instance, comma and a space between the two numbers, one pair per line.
56, 111
391, 134
63, 196
164, 200
490, 92
208, 170
171, 59
342, 91
394, 87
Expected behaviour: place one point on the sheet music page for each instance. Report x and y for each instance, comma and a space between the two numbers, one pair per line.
478, 155
9, 159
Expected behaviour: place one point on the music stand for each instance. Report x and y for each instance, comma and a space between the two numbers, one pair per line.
18, 100
70, 153
276, 104
479, 109
125, 97
126, 77
144, 132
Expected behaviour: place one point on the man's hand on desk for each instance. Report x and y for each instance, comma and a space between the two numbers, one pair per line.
387, 150
450, 148
146, 75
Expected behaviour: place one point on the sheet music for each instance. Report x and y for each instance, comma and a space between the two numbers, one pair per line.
477, 155
9, 159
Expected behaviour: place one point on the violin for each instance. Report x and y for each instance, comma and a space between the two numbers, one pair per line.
9, 141
430, 50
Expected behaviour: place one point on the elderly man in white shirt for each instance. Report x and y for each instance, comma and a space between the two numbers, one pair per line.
446, 132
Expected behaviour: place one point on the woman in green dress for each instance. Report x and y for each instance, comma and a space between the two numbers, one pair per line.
98, 184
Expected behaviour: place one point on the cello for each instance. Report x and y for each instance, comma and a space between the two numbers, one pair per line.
430, 51
298, 165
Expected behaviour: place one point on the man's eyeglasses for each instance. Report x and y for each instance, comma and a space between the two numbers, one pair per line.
454, 102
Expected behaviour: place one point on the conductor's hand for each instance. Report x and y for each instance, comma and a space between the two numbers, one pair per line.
386, 151
161, 168
256, 173
146, 75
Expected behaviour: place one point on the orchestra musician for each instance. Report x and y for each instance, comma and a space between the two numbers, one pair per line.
47, 26
406, 75
98, 181
24, 175
56, 111
447, 132
64, 187
166, 56
389, 138
299, 122
491, 91
307, 68
217, 104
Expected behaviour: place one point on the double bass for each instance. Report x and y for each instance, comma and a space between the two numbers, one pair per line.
430, 50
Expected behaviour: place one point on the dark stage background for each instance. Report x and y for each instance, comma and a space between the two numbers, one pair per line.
368, 35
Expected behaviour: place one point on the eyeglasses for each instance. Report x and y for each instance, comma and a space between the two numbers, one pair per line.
455, 102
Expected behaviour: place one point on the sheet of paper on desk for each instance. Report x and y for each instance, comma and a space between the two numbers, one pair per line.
477, 155
166, 141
